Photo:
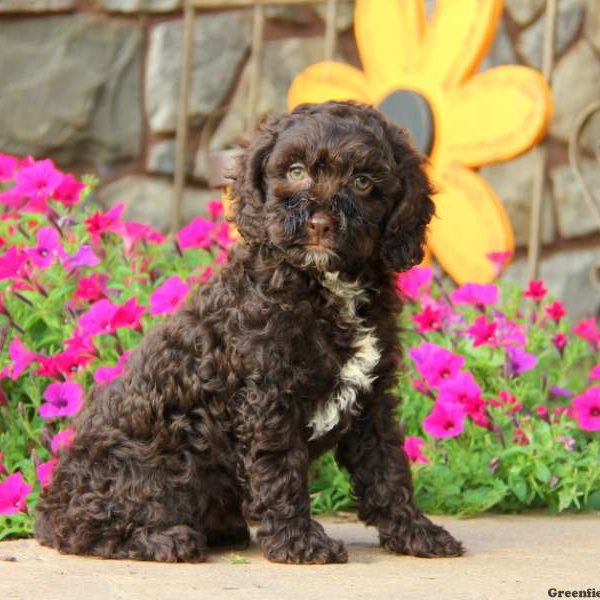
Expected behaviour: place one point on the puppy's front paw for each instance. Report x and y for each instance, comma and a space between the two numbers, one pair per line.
304, 544
421, 538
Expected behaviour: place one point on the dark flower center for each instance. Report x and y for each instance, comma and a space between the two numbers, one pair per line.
595, 411
412, 111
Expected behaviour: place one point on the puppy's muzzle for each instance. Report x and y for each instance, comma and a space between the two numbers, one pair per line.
320, 229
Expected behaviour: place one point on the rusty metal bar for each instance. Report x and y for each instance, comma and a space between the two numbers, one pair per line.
330, 29
539, 174
182, 114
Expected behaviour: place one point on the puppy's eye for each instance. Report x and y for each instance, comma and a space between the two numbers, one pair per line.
362, 183
297, 172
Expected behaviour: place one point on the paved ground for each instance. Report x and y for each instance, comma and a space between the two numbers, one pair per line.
509, 557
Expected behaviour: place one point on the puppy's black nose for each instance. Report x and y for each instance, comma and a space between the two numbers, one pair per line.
319, 226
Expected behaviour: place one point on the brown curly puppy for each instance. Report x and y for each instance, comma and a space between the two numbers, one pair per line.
290, 351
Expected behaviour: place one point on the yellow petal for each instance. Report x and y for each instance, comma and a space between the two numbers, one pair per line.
470, 222
458, 38
494, 116
388, 34
328, 81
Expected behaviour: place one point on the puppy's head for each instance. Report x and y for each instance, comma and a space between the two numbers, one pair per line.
334, 186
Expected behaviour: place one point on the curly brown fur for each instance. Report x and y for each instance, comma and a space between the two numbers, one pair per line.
289, 351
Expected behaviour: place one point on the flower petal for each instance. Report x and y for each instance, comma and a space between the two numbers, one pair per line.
328, 80
470, 222
388, 35
521, 104
457, 39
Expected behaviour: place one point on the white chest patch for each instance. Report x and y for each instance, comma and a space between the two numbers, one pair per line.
356, 374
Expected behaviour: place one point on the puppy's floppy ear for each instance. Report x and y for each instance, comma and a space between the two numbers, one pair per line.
248, 188
403, 241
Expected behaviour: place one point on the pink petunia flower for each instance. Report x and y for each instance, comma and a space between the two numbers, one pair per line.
499, 260
413, 447
463, 389
100, 223
476, 294
82, 343
38, 182
196, 234
63, 439
108, 374
48, 248
223, 235
65, 364
536, 290
13, 494
69, 190
560, 341
519, 437
587, 329
128, 315
518, 361
84, 257
556, 311
8, 166
44, 472
509, 333
594, 373
12, 264
133, 232
168, 297
215, 209
483, 332
21, 358
202, 278
587, 409
413, 283
62, 400
91, 288
429, 319
541, 411
434, 363
99, 318
445, 420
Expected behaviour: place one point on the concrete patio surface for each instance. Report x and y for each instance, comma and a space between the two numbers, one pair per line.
509, 557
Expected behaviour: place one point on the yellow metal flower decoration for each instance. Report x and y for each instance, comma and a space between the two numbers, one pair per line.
475, 118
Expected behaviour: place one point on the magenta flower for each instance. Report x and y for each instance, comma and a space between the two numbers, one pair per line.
434, 363
595, 373
196, 234
62, 400
429, 319
463, 389
13, 494
587, 409
560, 341
69, 190
84, 257
8, 167
499, 260
44, 472
128, 315
413, 447
21, 358
412, 283
63, 439
81, 342
509, 333
476, 294
518, 361
168, 297
568, 442
134, 232
12, 263
99, 318
215, 209
588, 330
536, 290
100, 223
556, 311
483, 331
38, 182
48, 248
223, 235
108, 374
65, 364
91, 288
445, 420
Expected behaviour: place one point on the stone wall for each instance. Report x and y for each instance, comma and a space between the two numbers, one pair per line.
94, 84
